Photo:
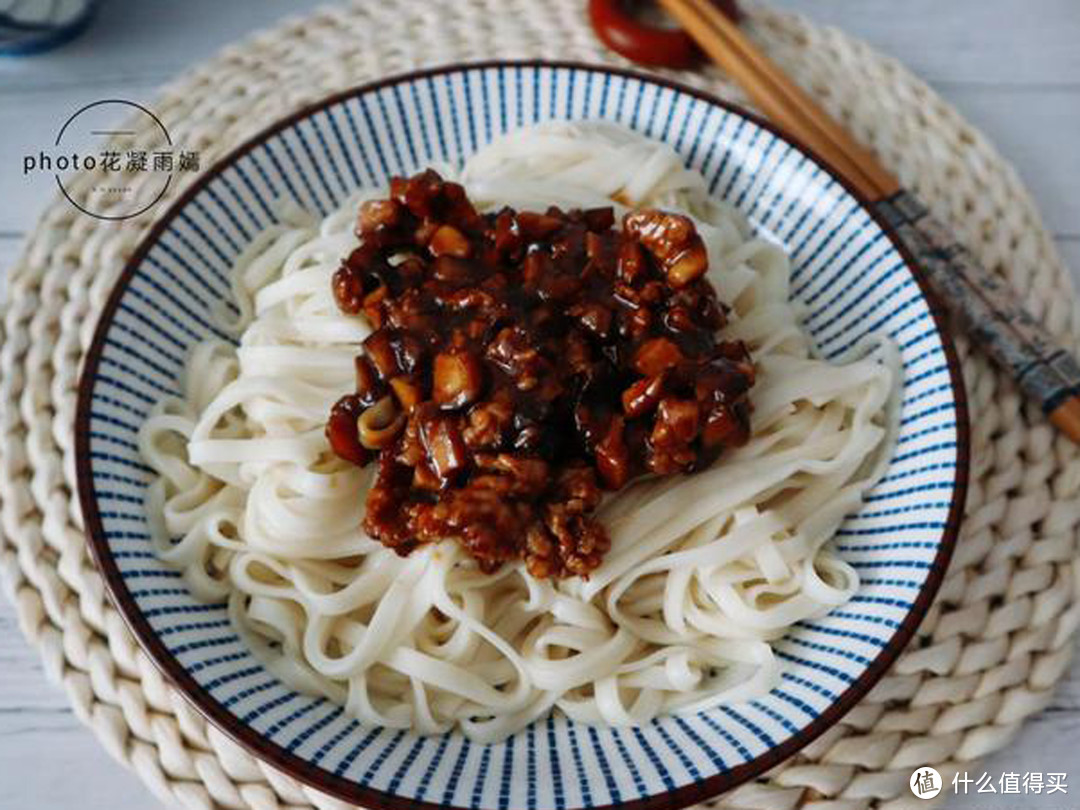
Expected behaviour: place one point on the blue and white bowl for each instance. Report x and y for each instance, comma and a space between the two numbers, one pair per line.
847, 270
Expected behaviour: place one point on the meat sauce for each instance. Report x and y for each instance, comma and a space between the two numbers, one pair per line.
521, 364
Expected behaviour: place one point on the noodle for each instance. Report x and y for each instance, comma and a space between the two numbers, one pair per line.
703, 572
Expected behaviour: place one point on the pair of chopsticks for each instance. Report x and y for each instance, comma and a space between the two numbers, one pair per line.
981, 302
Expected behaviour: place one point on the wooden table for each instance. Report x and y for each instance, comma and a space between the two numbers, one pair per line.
1012, 67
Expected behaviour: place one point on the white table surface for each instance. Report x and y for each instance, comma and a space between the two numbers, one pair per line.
1012, 67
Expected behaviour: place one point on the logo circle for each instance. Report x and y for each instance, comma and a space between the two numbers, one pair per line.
925, 783
129, 166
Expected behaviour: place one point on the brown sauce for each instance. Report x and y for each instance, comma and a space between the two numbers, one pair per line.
524, 362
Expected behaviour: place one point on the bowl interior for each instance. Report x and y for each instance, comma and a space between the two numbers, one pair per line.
847, 273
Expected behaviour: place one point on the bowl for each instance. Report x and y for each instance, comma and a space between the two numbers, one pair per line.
852, 277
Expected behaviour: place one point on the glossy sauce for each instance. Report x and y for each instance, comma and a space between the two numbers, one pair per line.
524, 362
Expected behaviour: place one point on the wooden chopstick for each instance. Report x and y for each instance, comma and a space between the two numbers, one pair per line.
778, 97
1010, 335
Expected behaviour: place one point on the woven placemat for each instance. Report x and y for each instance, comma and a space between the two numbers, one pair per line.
986, 657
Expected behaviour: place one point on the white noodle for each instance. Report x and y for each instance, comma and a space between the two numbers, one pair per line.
703, 572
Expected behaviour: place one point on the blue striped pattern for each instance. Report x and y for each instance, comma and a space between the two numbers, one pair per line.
847, 273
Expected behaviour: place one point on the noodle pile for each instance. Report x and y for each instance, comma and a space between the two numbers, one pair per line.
704, 570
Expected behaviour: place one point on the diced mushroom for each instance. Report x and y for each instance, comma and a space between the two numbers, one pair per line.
371, 306
724, 427
457, 379
535, 226
348, 288
409, 351
507, 235
599, 220
420, 194
375, 214
513, 352
687, 266
677, 422
369, 388
643, 396
449, 241
445, 448
596, 247
657, 355
380, 350
632, 262
722, 380
424, 478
